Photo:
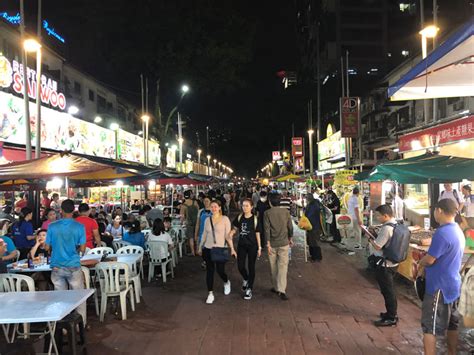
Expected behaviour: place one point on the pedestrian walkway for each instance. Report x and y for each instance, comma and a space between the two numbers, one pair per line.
330, 311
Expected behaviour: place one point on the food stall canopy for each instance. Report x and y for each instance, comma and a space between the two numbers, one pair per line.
363, 175
288, 177
423, 169
448, 71
57, 165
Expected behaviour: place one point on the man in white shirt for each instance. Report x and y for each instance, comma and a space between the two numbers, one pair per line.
467, 207
451, 194
353, 210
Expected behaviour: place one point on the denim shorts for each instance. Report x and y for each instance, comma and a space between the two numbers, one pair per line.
436, 316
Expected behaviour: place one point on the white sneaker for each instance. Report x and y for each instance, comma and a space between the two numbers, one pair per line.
245, 284
210, 298
227, 288
358, 247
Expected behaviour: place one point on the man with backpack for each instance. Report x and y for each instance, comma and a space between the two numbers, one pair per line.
389, 248
451, 194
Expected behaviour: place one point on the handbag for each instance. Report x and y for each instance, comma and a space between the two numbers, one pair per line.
218, 254
304, 223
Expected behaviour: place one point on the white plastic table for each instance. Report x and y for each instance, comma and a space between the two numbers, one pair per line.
43, 306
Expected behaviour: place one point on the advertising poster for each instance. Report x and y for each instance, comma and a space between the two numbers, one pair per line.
171, 158
154, 153
59, 130
299, 165
345, 177
350, 117
130, 147
276, 156
297, 146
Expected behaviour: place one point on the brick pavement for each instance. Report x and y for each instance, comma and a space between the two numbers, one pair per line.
331, 307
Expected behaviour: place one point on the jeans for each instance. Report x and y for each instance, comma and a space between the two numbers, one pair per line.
70, 278
242, 252
384, 277
211, 267
279, 267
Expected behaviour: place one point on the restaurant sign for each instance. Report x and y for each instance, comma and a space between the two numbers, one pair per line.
345, 177
297, 146
11, 74
59, 130
453, 131
349, 117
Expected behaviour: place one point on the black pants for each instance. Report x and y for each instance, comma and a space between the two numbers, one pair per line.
334, 231
312, 241
244, 251
211, 267
384, 276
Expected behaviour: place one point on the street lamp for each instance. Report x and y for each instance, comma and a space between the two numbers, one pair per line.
145, 120
215, 163
220, 164
32, 45
114, 126
97, 119
427, 32
310, 133
199, 151
73, 110
208, 165
185, 89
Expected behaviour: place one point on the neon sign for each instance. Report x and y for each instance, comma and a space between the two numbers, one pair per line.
16, 19
13, 19
52, 32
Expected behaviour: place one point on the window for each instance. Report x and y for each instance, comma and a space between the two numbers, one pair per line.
77, 88
101, 101
91, 95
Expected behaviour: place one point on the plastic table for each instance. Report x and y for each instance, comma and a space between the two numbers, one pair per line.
38, 307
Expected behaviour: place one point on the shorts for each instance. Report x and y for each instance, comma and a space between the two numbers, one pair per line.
436, 316
190, 232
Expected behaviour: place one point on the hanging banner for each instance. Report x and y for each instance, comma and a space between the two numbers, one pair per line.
297, 146
349, 109
345, 177
59, 130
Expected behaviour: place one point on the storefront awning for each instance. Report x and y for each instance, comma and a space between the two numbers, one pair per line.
288, 177
423, 169
447, 72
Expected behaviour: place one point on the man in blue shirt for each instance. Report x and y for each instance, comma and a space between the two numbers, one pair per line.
10, 250
442, 264
66, 238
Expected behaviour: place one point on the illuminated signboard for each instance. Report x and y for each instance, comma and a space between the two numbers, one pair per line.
12, 74
154, 153
16, 19
59, 130
130, 147
333, 147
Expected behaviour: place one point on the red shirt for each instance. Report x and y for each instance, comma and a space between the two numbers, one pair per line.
46, 202
21, 204
90, 225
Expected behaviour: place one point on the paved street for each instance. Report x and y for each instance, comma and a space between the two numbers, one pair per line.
330, 311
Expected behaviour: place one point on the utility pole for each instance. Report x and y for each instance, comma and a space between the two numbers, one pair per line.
143, 113
26, 100
435, 23
180, 141
38, 87
310, 134
207, 139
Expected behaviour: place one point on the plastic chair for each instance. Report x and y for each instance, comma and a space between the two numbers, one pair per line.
16, 283
87, 281
175, 237
133, 249
179, 231
114, 281
118, 244
103, 244
159, 256
101, 251
134, 274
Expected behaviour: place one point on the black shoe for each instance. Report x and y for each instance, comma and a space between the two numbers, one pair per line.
283, 296
387, 322
273, 290
384, 315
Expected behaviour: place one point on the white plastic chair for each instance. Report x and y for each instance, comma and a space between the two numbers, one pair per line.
88, 280
16, 283
134, 274
179, 232
174, 233
118, 244
133, 249
159, 256
103, 244
101, 251
114, 281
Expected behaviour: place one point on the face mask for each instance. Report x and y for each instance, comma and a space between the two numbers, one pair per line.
263, 199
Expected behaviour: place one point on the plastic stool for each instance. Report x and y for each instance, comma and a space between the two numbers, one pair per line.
69, 323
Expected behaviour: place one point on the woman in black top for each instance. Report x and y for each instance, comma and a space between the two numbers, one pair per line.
334, 204
249, 245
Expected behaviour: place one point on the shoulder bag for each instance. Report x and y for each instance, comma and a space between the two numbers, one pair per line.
218, 254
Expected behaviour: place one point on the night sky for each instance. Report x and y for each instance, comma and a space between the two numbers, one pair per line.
236, 89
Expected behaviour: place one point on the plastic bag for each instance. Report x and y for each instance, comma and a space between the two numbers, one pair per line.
304, 223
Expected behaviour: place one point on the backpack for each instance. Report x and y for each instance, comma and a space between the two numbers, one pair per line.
396, 250
455, 194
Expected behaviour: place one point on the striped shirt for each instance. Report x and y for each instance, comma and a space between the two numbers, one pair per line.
285, 202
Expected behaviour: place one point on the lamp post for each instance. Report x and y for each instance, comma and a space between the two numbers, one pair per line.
145, 120
31, 46
215, 163
180, 142
199, 151
310, 133
427, 32
209, 165
219, 171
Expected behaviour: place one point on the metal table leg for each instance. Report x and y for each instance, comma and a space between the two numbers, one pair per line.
52, 343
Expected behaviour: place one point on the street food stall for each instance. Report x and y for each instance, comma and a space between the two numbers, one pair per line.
427, 169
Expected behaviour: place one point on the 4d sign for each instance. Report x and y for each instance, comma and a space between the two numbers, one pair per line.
349, 117
11, 74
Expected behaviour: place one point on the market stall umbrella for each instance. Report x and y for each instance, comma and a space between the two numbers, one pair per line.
447, 72
288, 177
425, 168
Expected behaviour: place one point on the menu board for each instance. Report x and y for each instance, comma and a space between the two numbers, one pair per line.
59, 130
129, 147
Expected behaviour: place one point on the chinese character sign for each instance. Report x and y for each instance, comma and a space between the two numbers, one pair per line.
349, 117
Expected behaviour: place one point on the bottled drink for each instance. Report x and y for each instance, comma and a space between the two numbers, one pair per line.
30, 262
